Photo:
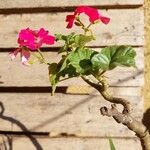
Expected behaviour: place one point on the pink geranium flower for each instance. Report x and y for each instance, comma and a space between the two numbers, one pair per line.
34, 39
92, 13
25, 55
31, 40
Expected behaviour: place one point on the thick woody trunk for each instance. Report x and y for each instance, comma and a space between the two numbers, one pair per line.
140, 130
123, 117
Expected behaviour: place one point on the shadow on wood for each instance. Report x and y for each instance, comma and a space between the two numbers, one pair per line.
146, 119
6, 143
22, 127
65, 112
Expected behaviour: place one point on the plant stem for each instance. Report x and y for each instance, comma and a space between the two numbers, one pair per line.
86, 29
89, 25
40, 57
65, 79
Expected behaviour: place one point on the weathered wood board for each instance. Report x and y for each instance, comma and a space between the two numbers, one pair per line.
128, 31
13, 73
64, 3
37, 143
147, 56
69, 122
63, 113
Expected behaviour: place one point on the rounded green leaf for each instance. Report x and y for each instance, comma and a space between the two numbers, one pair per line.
81, 60
113, 56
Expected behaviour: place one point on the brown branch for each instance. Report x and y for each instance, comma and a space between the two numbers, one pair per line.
127, 120
102, 87
121, 117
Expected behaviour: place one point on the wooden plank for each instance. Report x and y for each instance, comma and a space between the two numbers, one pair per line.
63, 113
15, 74
24, 143
147, 56
64, 3
128, 32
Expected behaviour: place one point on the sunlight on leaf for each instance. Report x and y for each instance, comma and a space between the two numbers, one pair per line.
113, 56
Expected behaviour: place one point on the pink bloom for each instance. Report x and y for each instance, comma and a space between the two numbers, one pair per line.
31, 40
34, 39
70, 19
92, 13
25, 55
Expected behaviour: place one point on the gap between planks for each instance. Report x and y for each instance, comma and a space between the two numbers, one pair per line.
24, 143
33, 10
74, 90
52, 135
56, 49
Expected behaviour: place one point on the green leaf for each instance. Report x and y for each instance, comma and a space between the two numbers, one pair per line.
69, 71
100, 61
124, 56
53, 77
68, 39
112, 146
113, 56
65, 68
81, 60
72, 41
64, 62
53, 68
60, 37
63, 49
80, 40
58, 73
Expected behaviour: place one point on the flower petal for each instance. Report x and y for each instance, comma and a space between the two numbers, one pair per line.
42, 32
49, 40
26, 38
26, 34
44, 38
70, 19
105, 20
34, 39
80, 9
32, 46
92, 13
25, 55
14, 53
24, 60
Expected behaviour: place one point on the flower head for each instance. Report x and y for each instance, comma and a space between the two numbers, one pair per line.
34, 39
92, 13
31, 40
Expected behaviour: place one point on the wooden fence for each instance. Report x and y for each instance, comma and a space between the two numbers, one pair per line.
30, 118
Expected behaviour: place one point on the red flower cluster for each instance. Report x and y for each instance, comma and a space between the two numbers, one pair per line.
34, 39
92, 13
31, 40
